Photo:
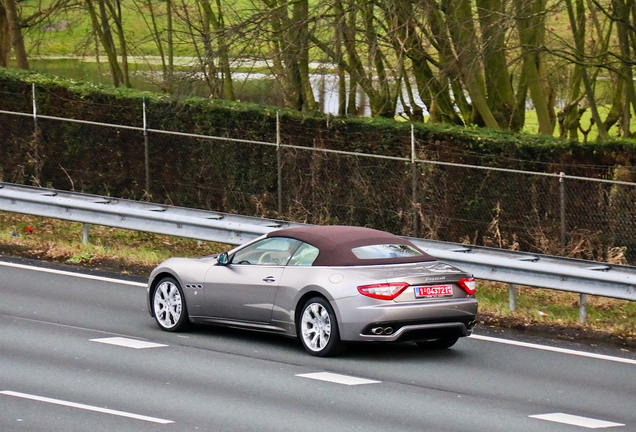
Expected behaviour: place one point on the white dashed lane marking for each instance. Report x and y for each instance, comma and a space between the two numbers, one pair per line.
337, 378
85, 407
586, 422
573, 420
128, 343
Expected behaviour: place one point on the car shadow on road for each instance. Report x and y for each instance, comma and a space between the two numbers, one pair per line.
399, 351
238, 340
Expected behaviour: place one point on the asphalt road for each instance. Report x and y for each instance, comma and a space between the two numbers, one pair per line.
67, 364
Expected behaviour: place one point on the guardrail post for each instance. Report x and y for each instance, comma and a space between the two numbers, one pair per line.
512, 294
279, 163
583, 308
85, 230
416, 214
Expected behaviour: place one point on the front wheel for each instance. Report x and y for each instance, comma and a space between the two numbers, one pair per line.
168, 306
318, 328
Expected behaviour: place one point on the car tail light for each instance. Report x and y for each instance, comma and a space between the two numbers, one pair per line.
468, 285
383, 291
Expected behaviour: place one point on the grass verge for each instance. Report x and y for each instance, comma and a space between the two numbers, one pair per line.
545, 311
538, 311
125, 251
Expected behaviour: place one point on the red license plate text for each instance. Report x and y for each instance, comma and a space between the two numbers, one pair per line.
434, 291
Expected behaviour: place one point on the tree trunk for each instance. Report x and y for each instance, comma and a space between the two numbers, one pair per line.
156, 36
379, 105
5, 38
103, 32
342, 80
169, 40
462, 31
570, 113
217, 22
416, 113
434, 93
375, 55
616, 112
578, 20
285, 62
115, 12
15, 31
300, 13
208, 62
448, 63
531, 26
623, 10
501, 98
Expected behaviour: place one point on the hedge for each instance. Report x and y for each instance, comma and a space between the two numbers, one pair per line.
454, 203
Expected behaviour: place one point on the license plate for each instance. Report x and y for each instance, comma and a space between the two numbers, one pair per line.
434, 291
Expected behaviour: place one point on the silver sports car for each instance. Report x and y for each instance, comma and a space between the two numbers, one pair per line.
323, 284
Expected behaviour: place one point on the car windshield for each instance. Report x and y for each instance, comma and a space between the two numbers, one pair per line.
381, 251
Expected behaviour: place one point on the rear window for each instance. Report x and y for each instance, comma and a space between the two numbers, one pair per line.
385, 251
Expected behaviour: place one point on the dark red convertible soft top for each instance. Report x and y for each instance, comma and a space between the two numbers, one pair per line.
336, 241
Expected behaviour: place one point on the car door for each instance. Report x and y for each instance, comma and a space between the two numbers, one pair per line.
245, 289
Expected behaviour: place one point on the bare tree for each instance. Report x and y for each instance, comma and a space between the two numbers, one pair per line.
100, 20
289, 30
5, 37
13, 23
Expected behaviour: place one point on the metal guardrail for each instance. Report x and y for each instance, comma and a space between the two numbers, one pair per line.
536, 270
135, 215
541, 271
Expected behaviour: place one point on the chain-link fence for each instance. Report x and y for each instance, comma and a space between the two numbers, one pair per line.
550, 213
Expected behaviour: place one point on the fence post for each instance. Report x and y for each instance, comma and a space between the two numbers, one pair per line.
562, 187
414, 198
146, 155
582, 308
36, 152
279, 163
512, 294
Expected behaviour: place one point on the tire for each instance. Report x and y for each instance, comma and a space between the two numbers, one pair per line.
169, 307
318, 328
442, 343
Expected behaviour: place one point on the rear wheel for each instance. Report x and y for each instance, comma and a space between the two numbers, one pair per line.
441, 343
168, 306
318, 328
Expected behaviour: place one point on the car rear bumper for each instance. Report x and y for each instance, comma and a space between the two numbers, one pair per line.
401, 322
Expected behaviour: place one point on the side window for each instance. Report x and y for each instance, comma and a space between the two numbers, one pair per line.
304, 256
269, 251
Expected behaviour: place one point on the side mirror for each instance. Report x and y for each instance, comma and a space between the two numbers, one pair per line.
223, 259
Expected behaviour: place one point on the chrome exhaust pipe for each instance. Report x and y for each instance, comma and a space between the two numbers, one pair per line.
377, 330
388, 330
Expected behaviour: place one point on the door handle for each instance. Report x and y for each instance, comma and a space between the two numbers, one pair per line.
269, 279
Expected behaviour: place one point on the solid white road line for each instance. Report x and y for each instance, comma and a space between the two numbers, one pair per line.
554, 349
573, 420
337, 378
72, 274
85, 407
128, 343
